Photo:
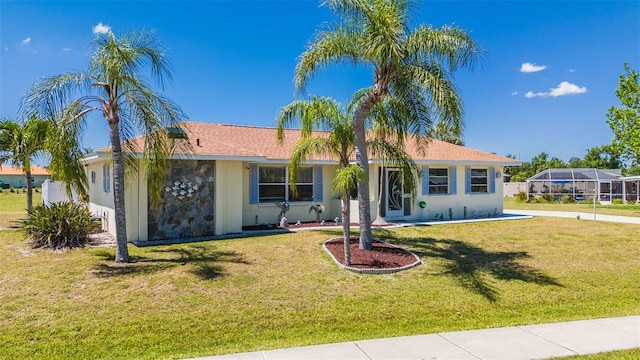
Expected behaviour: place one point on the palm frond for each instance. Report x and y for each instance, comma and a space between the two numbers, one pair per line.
328, 47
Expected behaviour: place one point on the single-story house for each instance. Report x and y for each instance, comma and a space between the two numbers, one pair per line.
235, 177
584, 184
12, 176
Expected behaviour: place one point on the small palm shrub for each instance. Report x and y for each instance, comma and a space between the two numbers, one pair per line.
547, 198
61, 225
521, 196
568, 199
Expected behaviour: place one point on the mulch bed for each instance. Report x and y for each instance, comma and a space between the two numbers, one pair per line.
295, 226
382, 256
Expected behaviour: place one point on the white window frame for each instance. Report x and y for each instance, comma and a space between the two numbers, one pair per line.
477, 185
448, 182
286, 184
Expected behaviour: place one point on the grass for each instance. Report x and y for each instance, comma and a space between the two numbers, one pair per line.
620, 210
632, 354
13, 206
282, 290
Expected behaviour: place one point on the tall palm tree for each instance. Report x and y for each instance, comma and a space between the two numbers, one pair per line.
412, 66
112, 86
322, 113
20, 144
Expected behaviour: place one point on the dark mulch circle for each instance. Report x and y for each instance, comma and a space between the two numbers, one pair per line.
381, 256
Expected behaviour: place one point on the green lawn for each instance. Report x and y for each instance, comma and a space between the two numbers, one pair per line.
621, 210
13, 206
279, 291
633, 354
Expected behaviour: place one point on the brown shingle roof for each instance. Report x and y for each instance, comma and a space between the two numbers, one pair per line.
254, 141
12, 170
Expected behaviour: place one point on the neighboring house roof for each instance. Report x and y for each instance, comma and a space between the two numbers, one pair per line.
242, 142
12, 170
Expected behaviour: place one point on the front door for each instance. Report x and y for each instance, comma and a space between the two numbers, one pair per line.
395, 193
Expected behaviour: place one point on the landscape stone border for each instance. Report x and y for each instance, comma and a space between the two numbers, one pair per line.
374, 271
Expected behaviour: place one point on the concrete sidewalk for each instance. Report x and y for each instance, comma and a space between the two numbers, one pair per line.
574, 215
519, 342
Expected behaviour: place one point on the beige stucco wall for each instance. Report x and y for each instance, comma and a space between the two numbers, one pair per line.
100, 202
229, 180
478, 205
233, 210
136, 206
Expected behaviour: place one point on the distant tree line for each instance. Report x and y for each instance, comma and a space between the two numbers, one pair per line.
599, 157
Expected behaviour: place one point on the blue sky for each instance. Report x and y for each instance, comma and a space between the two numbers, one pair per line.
551, 71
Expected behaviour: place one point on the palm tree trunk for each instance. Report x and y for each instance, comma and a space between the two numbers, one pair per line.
346, 208
27, 172
364, 207
122, 252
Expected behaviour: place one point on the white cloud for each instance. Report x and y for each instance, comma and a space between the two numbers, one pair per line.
66, 49
101, 29
6, 48
529, 68
567, 88
26, 41
564, 88
572, 70
514, 93
531, 94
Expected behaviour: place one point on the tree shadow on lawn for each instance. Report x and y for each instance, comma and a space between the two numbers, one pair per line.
473, 266
203, 259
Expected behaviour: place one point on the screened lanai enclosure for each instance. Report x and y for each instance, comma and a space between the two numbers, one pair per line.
583, 184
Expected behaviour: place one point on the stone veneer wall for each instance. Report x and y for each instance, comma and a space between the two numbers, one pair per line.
178, 215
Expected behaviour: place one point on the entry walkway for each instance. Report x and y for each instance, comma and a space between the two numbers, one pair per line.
574, 215
518, 342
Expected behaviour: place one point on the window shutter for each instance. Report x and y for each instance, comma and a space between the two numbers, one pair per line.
253, 184
492, 180
318, 184
425, 180
467, 180
454, 180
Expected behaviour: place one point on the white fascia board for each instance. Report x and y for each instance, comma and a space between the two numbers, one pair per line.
309, 162
95, 157
457, 162
221, 157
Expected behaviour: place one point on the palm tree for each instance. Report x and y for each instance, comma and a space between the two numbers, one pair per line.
447, 132
414, 67
112, 86
20, 143
326, 114
344, 183
322, 113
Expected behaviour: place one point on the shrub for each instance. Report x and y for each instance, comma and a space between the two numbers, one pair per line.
61, 225
547, 198
617, 201
568, 199
521, 196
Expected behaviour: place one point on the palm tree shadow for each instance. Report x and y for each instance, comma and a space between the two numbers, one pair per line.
474, 267
205, 262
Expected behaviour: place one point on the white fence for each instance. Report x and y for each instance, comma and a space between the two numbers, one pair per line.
511, 189
54, 192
